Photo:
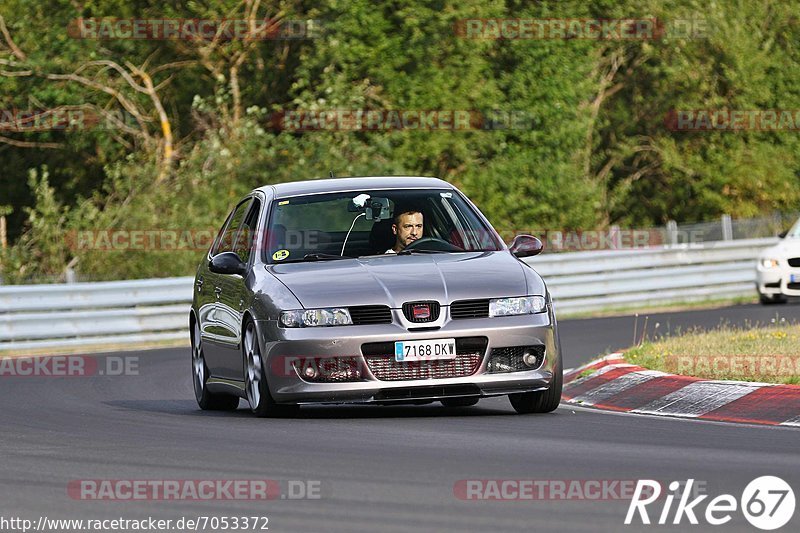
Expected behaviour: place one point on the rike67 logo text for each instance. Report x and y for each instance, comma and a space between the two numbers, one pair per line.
767, 503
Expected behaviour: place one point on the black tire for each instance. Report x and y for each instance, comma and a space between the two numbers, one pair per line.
262, 404
771, 300
460, 402
207, 400
541, 401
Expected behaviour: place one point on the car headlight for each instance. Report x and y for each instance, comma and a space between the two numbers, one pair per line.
769, 262
524, 305
304, 318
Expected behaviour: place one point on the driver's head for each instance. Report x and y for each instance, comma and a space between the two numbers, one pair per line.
407, 228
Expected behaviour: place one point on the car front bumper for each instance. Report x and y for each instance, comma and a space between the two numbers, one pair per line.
286, 386
778, 280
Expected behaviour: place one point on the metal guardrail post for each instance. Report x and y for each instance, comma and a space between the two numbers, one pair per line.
672, 232
727, 228
616, 238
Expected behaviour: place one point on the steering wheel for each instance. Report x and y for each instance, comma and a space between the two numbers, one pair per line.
433, 243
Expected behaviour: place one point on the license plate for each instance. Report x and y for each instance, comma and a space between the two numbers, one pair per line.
405, 351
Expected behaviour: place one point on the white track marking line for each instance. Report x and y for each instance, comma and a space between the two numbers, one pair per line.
575, 408
697, 398
599, 372
794, 422
610, 357
610, 388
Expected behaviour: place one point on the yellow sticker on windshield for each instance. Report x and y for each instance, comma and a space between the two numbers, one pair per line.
283, 202
280, 255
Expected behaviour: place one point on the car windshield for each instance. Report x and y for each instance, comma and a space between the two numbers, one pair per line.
794, 233
353, 224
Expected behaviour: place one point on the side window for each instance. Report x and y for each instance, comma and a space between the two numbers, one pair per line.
225, 239
244, 239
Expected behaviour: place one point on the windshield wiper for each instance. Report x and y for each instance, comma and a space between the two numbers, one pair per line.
422, 251
317, 257
323, 257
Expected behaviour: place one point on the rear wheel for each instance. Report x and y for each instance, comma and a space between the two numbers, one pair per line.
541, 401
261, 402
459, 402
205, 399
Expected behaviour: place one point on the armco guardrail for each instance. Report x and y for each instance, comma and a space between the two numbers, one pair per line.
83, 314
584, 281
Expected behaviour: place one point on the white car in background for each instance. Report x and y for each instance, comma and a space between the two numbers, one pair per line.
778, 270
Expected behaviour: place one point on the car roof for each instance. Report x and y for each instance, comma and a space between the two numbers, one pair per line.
315, 186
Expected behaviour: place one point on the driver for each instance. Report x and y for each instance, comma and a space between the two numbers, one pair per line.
407, 228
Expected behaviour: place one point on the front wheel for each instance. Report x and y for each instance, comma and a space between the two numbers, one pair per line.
540, 401
207, 401
262, 404
773, 299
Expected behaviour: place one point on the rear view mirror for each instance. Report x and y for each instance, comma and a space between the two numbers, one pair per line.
378, 209
525, 246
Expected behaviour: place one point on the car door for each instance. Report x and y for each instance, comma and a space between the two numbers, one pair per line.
218, 323
233, 296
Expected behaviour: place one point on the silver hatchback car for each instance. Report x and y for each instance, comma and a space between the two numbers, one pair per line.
372, 290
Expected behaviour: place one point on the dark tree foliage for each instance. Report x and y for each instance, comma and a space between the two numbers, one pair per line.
565, 133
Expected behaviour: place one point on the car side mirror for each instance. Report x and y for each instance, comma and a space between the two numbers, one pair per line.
227, 263
783, 234
525, 246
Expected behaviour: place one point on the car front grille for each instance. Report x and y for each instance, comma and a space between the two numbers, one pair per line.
432, 311
469, 309
370, 314
794, 262
504, 360
793, 286
380, 361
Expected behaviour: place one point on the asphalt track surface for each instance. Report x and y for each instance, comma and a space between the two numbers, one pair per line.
379, 468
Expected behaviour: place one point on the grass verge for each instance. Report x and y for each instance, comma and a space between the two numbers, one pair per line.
710, 303
110, 347
769, 354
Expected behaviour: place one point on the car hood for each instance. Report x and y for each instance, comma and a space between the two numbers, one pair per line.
393, 280
789, 247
